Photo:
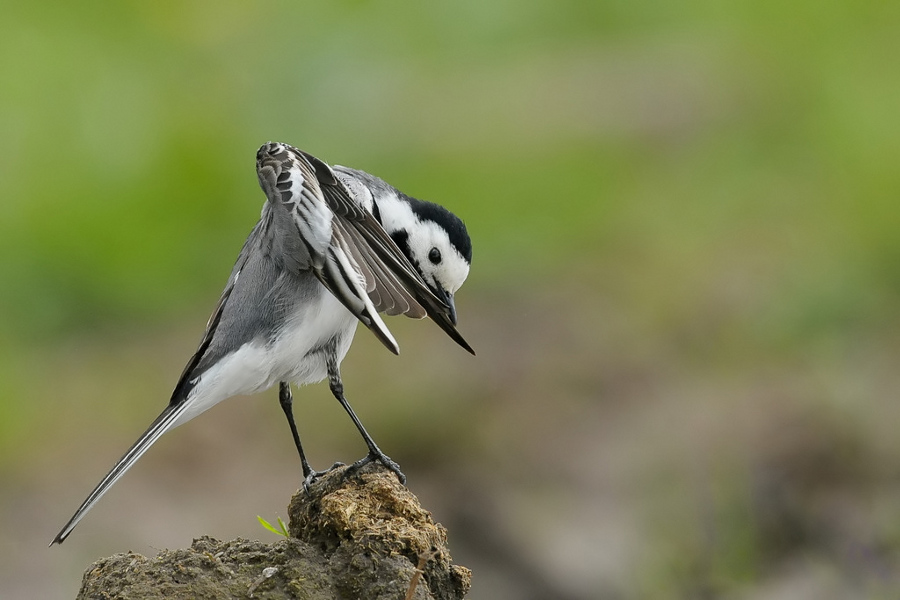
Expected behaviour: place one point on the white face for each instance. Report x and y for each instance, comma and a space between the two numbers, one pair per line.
451, 270
441, 264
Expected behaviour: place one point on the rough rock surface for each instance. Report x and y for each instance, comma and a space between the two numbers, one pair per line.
357, 536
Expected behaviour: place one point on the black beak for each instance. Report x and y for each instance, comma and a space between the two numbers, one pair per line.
446, 298
446, 319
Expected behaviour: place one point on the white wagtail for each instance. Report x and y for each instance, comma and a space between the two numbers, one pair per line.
333, 246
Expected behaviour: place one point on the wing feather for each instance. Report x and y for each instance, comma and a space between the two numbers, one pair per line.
291, 180
342, 243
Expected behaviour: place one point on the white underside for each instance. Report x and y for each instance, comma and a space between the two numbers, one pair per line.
257, 366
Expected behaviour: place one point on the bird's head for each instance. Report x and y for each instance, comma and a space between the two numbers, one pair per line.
438, 245
433, 239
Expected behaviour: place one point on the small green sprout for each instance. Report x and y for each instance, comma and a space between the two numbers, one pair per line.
283, 528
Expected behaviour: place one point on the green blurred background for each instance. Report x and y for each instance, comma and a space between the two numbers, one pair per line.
684, 293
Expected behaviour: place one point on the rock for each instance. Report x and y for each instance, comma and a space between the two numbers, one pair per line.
358, 536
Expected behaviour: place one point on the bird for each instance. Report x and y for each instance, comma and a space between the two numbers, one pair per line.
334, 246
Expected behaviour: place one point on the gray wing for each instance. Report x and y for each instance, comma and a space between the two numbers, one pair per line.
242, 313
394, 286
310, 234
322, 227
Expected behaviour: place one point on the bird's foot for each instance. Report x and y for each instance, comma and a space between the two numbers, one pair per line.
312, 476
384, 459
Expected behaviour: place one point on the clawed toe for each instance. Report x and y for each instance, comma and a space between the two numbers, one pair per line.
381, 457
312, 476
384, 459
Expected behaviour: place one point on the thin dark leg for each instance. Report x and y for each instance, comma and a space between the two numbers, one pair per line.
286, 399
375, 453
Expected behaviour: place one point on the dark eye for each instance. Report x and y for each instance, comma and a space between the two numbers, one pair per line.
434, 256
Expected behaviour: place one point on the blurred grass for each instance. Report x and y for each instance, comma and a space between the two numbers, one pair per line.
706, 190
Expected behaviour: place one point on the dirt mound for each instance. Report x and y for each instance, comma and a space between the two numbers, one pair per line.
358, 536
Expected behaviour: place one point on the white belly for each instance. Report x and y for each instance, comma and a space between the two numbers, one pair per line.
315, 326
257, 366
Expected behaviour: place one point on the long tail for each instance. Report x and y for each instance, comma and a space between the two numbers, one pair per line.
163, 423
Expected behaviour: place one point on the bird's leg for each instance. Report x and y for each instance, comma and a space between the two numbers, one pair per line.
286, 399
375, 453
